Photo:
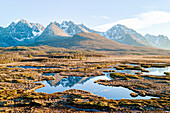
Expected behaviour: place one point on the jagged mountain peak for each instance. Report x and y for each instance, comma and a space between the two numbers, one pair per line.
55, 22
160, 41
23, 30
54, 30
49, 25
37, 27
123, 28
71, 28
68, 22
12, 25
23, 21
162, 36
119, 25
125, 35
158, 36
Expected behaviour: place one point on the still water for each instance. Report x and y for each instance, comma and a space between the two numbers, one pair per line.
157, 71
87, 84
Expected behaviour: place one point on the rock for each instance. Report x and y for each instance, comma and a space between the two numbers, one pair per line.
133, 94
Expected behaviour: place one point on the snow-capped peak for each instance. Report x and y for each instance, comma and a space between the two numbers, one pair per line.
23, 21
71, 28
24, 30
122, 34
12, 25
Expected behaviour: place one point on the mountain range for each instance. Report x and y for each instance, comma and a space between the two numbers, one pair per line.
71, 35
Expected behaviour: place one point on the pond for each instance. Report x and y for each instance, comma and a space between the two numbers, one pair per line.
87, 84
157, 71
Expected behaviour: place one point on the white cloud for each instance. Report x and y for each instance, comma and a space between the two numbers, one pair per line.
105, 17
101, 17
94, 16
140, 21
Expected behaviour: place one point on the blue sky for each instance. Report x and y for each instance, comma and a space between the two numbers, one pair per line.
145, 16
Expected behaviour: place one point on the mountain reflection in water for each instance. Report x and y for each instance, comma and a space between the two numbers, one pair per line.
87, 83
67, 82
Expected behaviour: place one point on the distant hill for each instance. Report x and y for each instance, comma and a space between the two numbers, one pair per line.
96, 42
159, 41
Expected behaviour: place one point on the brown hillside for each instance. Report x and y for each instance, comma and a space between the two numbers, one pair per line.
94, 41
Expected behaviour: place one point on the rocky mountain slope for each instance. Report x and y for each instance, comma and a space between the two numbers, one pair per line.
124, 35
52, 31
71, 28
20, 32
23, 30
159, 41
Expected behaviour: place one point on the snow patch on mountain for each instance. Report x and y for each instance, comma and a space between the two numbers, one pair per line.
37, 33
24, 30
23, 39
71, 28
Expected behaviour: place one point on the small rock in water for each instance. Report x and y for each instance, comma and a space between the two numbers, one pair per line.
133, 94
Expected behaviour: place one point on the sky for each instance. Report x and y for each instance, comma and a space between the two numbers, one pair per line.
144, 16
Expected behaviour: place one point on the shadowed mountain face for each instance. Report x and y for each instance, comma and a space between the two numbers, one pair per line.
6, 39
19, 33
25, 30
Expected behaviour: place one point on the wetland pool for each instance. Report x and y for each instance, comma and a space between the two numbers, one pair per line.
157, 71
87, 84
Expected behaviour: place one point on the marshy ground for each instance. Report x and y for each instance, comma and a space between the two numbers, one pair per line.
21, 68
